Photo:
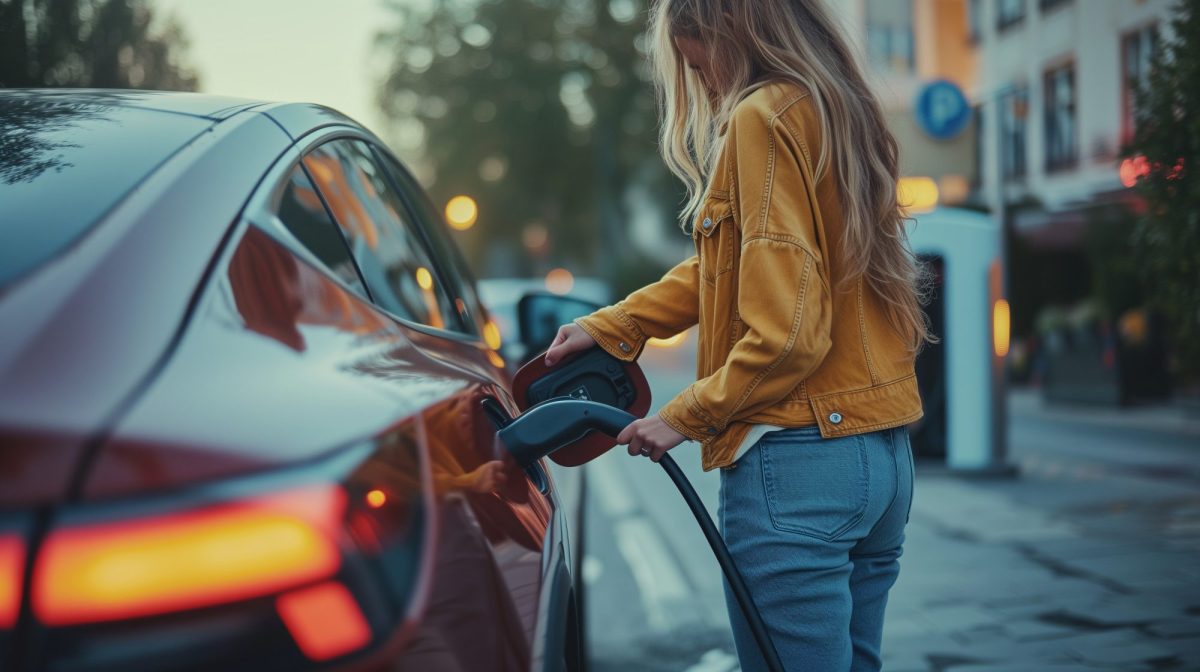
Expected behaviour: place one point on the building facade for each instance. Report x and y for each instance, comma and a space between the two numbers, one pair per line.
1054, 94
906, 46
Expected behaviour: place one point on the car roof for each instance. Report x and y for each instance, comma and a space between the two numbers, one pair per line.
178, 102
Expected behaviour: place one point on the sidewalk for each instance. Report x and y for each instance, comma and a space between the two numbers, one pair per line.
1056, 571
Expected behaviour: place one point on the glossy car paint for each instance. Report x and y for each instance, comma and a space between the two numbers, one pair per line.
186, 345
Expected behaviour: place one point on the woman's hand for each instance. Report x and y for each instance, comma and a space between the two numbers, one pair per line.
650, 437
488, 477
571, 338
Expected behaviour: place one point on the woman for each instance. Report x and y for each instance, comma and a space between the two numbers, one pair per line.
805, 293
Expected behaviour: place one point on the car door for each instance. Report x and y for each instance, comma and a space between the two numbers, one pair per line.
488, 608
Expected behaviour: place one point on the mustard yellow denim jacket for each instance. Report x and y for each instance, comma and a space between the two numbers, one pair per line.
781, 341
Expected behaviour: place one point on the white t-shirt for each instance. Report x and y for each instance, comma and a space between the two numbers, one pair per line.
756, 432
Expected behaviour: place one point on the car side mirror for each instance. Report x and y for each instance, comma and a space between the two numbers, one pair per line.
540, 314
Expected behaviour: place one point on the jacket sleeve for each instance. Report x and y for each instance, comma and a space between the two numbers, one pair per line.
662, 309
783, 294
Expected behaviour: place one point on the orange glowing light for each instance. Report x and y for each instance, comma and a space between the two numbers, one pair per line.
376, 498
462, 212
917, 194
1001, 323
216, 554
424, 278
491, 335
560, 281
12, 565
324, 620
668, 342
496, 360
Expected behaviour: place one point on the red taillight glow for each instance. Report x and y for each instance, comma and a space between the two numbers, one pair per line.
12, 565
324, 620
217, 554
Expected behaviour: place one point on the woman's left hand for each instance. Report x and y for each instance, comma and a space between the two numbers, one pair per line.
650, 437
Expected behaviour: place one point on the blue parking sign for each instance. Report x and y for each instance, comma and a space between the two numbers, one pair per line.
942, 110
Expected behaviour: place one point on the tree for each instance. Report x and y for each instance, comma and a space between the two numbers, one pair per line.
540, 110
90, 43
1166, 144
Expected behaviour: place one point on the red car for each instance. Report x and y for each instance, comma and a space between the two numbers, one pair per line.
246, 405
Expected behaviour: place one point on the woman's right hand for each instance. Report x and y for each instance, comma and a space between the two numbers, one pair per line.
570, 338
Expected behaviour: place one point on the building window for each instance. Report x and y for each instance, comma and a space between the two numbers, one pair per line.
975, 20
1014, 117
1137, 53
1009, 12
1062, 145
890, 42
1047, 5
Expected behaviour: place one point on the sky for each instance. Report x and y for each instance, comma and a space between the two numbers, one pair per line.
314, 51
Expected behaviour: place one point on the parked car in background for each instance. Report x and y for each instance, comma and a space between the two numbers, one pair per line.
247, 408
503, 296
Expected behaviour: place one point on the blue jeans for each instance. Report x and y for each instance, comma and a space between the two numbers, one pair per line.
816, 527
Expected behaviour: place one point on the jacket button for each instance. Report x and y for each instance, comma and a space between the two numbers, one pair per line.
712, 430
835, 418
625, 347
707, 222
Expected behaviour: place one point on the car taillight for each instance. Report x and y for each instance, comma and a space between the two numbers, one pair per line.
324, 620
214, 554
12, 564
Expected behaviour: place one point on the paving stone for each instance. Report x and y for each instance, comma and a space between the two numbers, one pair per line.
1089, 547
1025, 667
954, 619
1175, 628
1127, 610
1123, 655
1032, 629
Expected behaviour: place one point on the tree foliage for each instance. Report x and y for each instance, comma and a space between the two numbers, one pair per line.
539, 109
1166, 238
90, 43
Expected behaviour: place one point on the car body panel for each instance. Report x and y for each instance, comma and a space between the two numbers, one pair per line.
71, 354
300, 119
185, 345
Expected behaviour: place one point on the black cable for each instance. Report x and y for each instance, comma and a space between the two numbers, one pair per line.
726, 561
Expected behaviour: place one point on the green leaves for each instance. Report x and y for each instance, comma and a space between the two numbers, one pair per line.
1166, 237
90, 43
541, 110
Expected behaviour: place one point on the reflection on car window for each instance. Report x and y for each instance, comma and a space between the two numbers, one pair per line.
449, 258
395, 265
300, 209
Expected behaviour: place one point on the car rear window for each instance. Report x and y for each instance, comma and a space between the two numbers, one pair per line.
64, 162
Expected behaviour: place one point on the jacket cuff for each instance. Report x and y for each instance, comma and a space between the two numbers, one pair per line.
684, 416
615, 331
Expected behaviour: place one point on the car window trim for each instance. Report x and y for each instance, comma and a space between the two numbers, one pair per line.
257, 213
461, 267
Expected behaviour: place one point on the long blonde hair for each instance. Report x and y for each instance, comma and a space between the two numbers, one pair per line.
750, 43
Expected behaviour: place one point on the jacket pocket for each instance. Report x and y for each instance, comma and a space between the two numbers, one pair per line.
715, 237
815, 487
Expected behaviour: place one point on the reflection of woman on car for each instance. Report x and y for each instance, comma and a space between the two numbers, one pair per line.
804, 290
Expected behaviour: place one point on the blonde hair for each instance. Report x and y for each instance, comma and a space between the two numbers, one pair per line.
749, 44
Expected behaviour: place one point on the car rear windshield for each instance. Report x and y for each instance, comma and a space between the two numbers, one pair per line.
65, 161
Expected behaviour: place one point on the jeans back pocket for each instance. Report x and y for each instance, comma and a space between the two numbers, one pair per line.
815, 486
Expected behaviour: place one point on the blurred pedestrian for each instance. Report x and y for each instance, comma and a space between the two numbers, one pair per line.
807, 299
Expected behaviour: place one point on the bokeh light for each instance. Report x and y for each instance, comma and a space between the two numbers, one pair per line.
560, 281
424, 278
462, 212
